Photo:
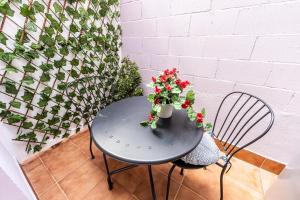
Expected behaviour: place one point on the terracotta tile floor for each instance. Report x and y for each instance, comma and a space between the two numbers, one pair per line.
66, 172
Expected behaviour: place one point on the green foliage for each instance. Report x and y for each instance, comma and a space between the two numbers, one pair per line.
53, 59
129, 81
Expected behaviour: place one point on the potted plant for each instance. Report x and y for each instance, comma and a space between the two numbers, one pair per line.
170, 92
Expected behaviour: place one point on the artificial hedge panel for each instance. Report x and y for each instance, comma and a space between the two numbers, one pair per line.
44, 45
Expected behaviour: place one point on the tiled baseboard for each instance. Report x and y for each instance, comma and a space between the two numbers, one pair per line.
258, 160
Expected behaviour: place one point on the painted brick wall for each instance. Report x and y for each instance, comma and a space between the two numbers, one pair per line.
222, 46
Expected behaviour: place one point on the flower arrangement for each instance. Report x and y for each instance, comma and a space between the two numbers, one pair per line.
169, 89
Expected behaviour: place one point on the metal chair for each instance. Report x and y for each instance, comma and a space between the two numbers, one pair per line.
242, 113
88, 95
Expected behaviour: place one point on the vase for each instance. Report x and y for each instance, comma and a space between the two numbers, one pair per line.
166, 111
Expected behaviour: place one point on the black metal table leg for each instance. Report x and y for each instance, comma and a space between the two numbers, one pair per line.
151, 183
109, 182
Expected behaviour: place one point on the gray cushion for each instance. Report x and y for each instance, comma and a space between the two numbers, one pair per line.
206, 153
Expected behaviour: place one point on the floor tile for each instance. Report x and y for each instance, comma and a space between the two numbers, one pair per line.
206, 183
165, 168
143, 190
53, 193
80, 181
245, 173
186, 193
131, 178
40, 179
267, 179
100, 191
63, 159
30, 165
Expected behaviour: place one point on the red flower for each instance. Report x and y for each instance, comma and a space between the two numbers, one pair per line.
168, 87
178, 82
186, 104
156, 101
153, 79
173, 71
184, 84
163, 78
199, 118
150, 117
157, 91
166, 71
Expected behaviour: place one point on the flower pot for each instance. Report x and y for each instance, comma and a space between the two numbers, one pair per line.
166, 111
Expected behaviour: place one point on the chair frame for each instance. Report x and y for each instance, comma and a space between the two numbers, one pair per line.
229, 148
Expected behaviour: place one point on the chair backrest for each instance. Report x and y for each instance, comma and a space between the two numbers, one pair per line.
241, 120
88, 95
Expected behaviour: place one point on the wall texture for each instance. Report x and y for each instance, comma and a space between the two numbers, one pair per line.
221, 46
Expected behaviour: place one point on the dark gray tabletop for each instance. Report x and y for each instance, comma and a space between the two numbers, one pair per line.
117, 132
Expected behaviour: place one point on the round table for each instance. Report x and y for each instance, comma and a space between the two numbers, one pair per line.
116, 131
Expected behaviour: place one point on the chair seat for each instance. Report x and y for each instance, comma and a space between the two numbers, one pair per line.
180, 163
206, 153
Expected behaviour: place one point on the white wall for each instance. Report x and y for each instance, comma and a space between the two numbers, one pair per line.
221, 46
13, 184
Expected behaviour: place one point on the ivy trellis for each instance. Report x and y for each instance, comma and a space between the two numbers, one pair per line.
44, 45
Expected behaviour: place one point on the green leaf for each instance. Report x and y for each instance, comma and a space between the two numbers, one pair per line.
49, 52
28, 96
62, 86
28, 80
10, 69
151, 98
5, 9
60, 63
15, 104
45, 77
144, 123
37, 46
190, 95
31, 26
29, 68
176, 90
38, 6
3, 38
203, 112
7, 56
3, 2
75, 62
27, 11
153, 125
74, 74
60, 76
46, 67
10, 87
177, 105
57, 7
14, 118
59, 98
73, 28
64, 51
48, 40
27, 125
37, 148
47, 90
2, 105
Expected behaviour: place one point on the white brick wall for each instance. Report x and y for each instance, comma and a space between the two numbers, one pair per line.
221, 46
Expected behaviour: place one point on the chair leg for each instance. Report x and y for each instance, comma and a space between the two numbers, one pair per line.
181, 171
221, 183
109, 181
91, 142
169, 180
